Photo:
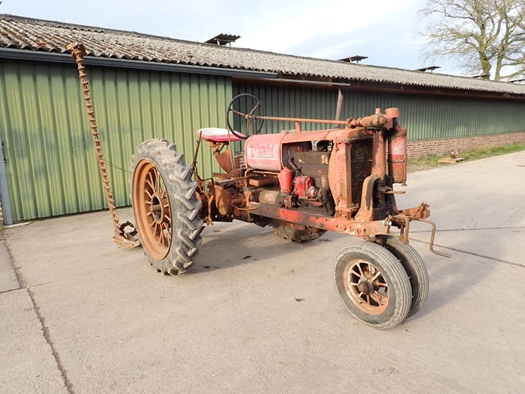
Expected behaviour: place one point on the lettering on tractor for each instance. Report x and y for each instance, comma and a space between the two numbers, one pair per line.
302, 183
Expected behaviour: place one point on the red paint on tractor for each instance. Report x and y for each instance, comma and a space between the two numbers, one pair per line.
285, 180
397, 155
306, 182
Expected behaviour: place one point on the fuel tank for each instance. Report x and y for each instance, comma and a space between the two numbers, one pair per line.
397, 155
268, 152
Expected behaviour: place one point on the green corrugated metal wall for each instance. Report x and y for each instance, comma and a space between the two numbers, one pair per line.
51, 163
289, 102
425, 117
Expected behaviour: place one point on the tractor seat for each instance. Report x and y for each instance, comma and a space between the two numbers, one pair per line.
214, 134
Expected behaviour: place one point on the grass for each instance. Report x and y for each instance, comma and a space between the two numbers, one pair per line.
432, 161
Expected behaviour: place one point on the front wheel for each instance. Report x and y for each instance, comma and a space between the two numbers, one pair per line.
165, 206
414, 267
373, 285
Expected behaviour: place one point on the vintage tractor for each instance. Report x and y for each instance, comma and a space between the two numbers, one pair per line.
302, 183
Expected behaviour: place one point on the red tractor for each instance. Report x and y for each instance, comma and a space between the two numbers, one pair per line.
302, 183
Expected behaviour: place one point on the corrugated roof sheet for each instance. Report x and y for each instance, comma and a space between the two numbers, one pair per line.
49, 36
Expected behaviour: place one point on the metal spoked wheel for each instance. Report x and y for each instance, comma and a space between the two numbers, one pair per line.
373, 285
243, 110
153, 209
414, 267
165, 206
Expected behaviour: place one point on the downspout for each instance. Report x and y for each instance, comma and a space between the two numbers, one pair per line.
4, 191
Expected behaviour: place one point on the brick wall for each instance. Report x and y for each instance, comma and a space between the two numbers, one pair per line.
428, 147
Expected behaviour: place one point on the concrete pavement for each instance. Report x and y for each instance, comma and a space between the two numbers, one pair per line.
259, 314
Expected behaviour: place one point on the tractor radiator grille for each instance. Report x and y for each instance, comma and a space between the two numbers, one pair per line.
361, 164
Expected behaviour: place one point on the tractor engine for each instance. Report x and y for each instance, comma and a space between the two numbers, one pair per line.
299, 170
322, 173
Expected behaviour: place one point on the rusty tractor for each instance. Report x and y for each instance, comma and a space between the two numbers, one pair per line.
302, 183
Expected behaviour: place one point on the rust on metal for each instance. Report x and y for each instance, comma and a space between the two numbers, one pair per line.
125, 239
397, 155
283, 174
367, 285
351, 216
432, 238
303, 183
339, 225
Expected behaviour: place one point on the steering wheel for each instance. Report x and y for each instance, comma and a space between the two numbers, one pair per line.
245, 108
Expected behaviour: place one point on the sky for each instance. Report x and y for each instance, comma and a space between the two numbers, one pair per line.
383, 30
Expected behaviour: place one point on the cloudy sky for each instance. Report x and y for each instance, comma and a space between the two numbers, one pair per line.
383, 30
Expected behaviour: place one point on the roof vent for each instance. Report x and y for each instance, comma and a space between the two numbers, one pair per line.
429, 68
353, 59
223, 39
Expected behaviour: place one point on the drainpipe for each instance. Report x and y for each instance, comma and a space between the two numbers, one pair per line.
4, 191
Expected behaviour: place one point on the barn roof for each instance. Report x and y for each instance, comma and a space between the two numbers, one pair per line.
48, 36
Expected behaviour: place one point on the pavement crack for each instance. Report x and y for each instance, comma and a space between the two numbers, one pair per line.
471, 253
47, 336
45, 331
468, 229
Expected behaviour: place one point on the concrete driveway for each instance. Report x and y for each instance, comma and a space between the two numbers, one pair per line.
259, 314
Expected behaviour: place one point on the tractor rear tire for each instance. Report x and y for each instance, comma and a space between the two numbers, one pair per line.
373, 284
165, 206
295, 232
414, 267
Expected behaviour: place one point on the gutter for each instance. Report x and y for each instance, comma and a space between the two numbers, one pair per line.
65, 58
387, 87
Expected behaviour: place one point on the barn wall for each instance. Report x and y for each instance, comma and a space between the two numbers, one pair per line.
425, 117
51, 163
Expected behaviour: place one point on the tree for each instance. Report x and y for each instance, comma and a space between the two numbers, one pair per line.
486, 35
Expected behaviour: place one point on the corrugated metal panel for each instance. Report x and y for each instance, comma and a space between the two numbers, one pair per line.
51, 163
426, 117
43, 36
289, 102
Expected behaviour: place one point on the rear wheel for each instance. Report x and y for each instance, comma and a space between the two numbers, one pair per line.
414, 267
373, 285
296, 232
165, 206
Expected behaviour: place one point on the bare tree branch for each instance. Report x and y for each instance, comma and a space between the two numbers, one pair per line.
486, 35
